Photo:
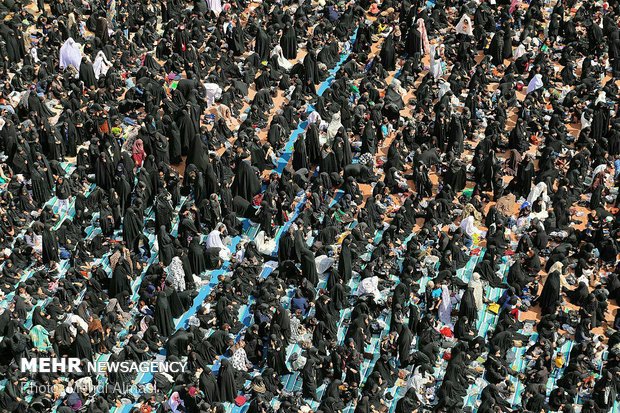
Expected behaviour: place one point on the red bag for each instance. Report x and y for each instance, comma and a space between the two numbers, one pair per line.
240, 400
446, 332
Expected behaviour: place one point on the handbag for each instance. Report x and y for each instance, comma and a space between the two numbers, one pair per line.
446, 332
494, 308
240, 400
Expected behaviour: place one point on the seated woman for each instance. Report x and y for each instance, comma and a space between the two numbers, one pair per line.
470, 218
214, 242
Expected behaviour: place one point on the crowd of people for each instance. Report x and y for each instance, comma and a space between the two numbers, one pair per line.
318, 205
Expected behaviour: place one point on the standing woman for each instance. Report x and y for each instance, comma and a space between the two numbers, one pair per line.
388, 54
496, 48
163, 315
276, 358
166, 246
137, 152
345, 262
445, 306
49, 246
288, 42
227, 387
309, 385
550, 296
208, 386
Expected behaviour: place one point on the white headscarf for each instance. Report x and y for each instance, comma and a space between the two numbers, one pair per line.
535, 84
540, 190
70, 54
314, 117
437, 69
445, 307
334, 126
72, 319
398, 86
282, 61
214, 91
84, 385
323, 263
214, 239
557, 266
264, 245
520, 51
421, 382
175, 402
585, 122
464, 26
215, 6
602, 97
101, 65
444, 87
370, 286
599, 169
34, 54
477, 289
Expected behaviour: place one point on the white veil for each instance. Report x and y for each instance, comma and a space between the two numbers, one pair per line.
282, 61
464, 26
101, 65
70, 54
